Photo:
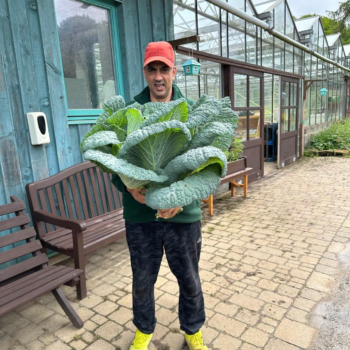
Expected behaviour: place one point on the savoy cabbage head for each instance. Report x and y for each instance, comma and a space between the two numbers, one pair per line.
174, 150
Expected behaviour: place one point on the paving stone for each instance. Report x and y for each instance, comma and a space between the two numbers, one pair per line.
109, 330
255, 337
320, 282
68, 333
29, 333
100, 344
247, 302
174, 340
78, 345
226, 324
91, 300
124, 341
105, 308
36, 313
276, 344
226, 342
295, 333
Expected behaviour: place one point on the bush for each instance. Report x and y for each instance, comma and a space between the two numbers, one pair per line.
337, 136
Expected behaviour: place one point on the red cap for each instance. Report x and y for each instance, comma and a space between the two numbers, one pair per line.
159, 51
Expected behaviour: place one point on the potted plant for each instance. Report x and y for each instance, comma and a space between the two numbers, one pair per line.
235, 160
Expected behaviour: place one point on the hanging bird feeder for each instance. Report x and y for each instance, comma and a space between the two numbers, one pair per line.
323, 92
191, 67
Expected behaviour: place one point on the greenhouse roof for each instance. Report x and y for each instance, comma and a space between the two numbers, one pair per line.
306, 23
263, 5
331, 39
347, 49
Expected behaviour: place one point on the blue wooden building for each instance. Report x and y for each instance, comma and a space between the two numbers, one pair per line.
63, 58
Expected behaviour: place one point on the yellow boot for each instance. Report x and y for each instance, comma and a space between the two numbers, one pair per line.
141, 341
195, 341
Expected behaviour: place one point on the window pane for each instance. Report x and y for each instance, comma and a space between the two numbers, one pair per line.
254, 125
240, 90
210, 79
285, 94
284, 121
84, 33
241, 130
293, 119
184, 19
268, 97
254, 92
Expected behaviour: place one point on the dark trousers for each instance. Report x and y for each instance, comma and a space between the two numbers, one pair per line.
182, 245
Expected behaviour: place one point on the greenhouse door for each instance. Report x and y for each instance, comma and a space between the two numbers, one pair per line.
246, 89
288, 123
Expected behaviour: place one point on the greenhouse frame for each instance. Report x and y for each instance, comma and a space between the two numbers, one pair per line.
270, 80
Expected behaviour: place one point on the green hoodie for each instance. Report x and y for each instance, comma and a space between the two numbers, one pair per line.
141, 213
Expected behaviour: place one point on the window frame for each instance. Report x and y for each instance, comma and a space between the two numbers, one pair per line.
89, 116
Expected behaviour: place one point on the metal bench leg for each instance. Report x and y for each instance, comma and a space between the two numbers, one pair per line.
245, 188
67, 308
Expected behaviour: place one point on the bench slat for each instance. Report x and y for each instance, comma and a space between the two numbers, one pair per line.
114, 192
51, 200
67, 199
34, 293
88, 192
14, 222
13, 286
102, 189
94, 189
42, 199
17, 237
82, 196
20, 251
35, 283
109, 191
75, 197
60, 200
11, 208
23, 266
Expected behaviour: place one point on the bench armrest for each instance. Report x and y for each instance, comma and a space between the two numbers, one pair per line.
70, 224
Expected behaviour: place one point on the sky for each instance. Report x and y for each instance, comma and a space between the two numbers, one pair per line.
303, 7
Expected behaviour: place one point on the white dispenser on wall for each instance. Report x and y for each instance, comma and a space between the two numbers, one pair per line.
38, 129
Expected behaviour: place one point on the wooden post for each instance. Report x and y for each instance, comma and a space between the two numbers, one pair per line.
245, 188
232, 189
211, 205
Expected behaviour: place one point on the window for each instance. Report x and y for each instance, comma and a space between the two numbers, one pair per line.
90, 56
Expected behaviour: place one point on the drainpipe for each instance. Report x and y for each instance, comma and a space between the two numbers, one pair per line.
251, 19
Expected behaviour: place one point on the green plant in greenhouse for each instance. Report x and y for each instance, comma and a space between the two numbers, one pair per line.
336, 137
235, 151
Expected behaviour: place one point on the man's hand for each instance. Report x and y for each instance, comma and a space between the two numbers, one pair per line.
138, 194
168, 213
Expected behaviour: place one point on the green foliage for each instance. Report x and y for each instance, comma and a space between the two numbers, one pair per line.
337, 136
173, 150
235, 151
342, 15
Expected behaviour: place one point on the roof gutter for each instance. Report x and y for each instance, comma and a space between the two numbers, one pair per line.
251, 19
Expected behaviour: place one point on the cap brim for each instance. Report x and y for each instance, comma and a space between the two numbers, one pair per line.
159, 58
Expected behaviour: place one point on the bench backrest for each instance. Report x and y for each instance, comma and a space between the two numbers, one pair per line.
80, 192
12, 217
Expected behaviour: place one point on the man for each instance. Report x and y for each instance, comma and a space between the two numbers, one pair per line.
177, 230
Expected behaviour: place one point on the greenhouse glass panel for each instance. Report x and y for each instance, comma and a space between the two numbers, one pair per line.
210, 79
289, 25
279, 18
184, 18
289, 58
187, 84
285, 93
315, 37
240, 90
267, 50
293, 119
236, 37
298, 61
224, 30
284, 121
209, 27
254, 125
293, 94
276, 98
254, 91
268, 97
279, 54
251, 43
240, 4
241, 130
313, 96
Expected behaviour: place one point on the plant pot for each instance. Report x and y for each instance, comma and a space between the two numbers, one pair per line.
236, 165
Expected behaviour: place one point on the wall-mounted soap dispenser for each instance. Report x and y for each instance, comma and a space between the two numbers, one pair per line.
38, 129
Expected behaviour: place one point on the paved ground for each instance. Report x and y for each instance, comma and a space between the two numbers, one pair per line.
268, 263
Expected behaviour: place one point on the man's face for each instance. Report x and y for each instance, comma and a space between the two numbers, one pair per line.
159, 77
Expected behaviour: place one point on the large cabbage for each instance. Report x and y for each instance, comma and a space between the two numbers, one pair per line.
174, 150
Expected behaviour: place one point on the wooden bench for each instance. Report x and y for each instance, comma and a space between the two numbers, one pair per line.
231, 178
29, 279
76, 212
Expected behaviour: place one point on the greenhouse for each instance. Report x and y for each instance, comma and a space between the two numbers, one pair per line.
277, 71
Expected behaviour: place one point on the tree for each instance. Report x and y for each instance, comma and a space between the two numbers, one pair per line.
342, 15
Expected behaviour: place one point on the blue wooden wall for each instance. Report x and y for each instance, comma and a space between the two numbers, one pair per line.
31, 80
